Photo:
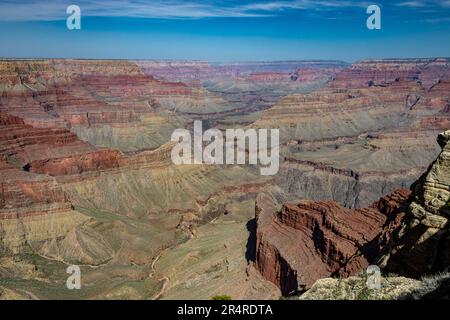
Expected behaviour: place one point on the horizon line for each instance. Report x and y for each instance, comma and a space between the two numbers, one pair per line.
228, 62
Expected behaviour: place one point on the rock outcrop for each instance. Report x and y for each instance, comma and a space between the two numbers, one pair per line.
355, 288
422, 243
300, 242
434, 287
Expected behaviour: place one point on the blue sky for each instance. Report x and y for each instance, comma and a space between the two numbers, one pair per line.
225, 30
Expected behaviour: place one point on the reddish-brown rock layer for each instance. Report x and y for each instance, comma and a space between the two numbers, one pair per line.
53, 151
76, 164
381, 72
29, 156
298, 243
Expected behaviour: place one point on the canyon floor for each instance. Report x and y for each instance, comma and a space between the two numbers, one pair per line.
86, 176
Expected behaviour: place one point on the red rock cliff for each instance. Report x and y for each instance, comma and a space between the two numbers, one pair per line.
301, 242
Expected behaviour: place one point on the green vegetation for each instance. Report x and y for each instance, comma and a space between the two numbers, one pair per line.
221, 297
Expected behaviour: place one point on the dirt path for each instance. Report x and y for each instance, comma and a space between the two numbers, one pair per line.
154, 262
163, 289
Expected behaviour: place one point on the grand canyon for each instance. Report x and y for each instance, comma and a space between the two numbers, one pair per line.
86, 179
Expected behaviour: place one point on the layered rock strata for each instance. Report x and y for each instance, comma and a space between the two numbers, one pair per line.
422, 243
353, 145
300, 242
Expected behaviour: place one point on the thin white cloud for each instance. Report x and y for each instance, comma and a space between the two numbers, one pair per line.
445, 3
36, 10
424, 3
436, 20
33, 10
304, 4
412, 4
43, 10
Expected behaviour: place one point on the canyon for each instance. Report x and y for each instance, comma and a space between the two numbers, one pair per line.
86, 175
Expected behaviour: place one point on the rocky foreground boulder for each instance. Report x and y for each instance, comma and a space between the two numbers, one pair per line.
391, 288
422, 244
300, 242
355, 288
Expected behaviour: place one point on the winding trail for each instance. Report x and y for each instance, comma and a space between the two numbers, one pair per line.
163, 289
